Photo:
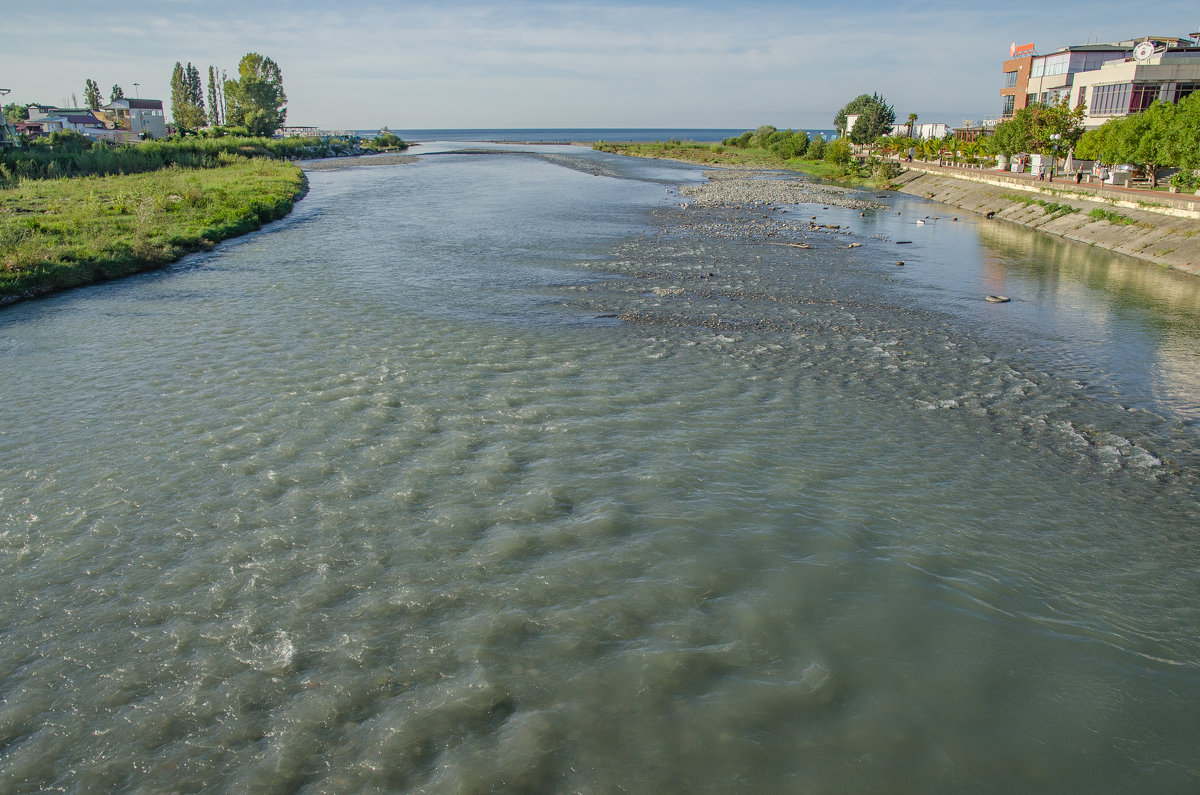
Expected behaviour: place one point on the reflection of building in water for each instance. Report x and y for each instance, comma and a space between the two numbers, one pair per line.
1124, 298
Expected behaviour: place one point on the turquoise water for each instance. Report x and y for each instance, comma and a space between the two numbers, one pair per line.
508, 472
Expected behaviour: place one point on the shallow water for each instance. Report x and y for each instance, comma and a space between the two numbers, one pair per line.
507, 472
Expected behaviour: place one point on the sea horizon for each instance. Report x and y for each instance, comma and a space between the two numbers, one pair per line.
575, 134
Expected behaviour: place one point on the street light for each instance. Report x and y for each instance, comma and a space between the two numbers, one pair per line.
1053, 166
136, 95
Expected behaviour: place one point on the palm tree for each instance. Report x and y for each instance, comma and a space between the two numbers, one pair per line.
912, 119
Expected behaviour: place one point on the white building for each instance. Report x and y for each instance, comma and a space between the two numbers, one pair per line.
139, 116
1130, 85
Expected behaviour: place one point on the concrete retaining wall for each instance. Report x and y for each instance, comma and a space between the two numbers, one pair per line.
1167, 234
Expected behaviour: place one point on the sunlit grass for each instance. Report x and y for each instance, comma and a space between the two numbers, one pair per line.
62, 233
719, 155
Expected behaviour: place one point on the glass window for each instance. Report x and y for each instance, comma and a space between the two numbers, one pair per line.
1183, 90
1058, 64
1039, 67
1010, 79
1030, 99
1009, 102
1143, 96
1111, 100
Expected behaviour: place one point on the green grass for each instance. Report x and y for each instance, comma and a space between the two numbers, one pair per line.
729, 156
1111, 217
1049, 208
61, 233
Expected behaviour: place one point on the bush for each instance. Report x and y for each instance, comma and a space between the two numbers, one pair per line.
838, 152
1186, 179
816, 148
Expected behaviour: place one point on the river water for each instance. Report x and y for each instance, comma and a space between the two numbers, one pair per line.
508, 472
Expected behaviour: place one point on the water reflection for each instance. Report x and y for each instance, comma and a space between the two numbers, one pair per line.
1141, 322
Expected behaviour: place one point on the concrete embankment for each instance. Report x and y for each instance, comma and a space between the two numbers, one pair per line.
1164, 230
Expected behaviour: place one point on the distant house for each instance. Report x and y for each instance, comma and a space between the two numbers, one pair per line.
80, 123
139, 116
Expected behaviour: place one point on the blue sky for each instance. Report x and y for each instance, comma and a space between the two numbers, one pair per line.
732, 64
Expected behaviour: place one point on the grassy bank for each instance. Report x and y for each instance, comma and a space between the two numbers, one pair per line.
721, 156
61, 233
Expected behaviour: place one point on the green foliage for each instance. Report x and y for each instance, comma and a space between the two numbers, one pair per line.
1029, 130
15, 113
784, 144
816, 148
187, 98
256, 99
1186, 179
386, 139
838, 152
1162, 135
91, 94
70, 154
66, 141
116, 93
1110, 216
876, 118
1049, 208
883, 171
216, 100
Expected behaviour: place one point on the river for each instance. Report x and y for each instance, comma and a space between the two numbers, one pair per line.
508, 471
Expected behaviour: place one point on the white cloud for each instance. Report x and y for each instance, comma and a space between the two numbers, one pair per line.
558, 64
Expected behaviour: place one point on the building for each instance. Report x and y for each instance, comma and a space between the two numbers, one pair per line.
1164, 66
922, 132
1120, 88
84, 123
140, 116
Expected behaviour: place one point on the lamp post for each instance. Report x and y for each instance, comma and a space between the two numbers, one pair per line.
1056, 138
136, 95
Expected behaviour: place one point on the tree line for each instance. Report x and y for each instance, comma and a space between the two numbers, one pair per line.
254, 100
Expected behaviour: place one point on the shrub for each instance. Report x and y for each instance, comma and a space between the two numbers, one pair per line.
838, 152
1186, 179
816, 148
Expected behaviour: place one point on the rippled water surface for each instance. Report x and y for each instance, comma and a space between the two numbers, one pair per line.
507, 472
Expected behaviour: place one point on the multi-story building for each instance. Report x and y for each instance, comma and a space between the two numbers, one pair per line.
1110, 79
141, 116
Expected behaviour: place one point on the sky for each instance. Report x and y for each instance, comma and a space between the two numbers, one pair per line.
461, 64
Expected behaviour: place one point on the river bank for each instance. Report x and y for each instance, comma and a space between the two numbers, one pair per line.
63, 233
1162, 235
1137, 229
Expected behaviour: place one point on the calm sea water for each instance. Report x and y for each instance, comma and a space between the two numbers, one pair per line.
507, 472
570, 134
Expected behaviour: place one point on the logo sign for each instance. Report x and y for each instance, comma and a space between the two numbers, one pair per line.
1024, 49
1143, 51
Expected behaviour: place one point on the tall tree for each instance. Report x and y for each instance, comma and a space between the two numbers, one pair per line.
187, 97
216, 99
875, 118
91, 94
117, 93
256, 99
1031, 129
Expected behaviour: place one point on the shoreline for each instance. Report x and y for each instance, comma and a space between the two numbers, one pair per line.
136, 223
1144, 232
1142, 228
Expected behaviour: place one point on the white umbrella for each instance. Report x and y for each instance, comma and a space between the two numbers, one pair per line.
1070, 164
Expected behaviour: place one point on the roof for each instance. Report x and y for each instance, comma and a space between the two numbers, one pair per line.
135, 104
